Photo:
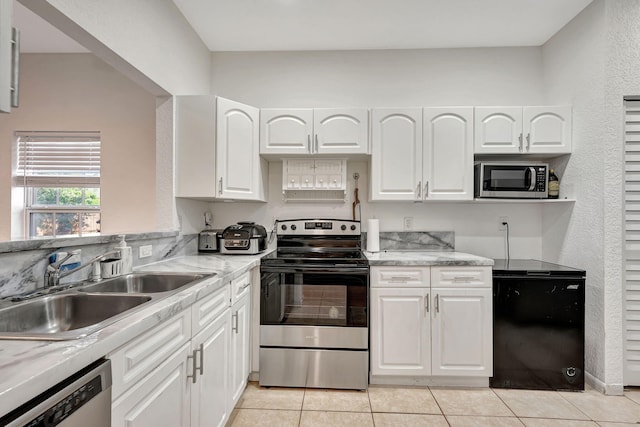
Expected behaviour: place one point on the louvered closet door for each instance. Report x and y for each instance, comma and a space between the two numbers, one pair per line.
632, 244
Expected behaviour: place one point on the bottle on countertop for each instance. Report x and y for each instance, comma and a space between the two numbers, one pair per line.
554, 185
126, 256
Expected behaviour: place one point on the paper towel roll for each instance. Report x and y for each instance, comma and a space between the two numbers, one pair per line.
373, 235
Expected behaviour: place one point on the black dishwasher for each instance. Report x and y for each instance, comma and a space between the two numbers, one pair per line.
538, 326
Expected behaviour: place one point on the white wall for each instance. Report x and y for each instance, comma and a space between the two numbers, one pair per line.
574, 74
151, 36
502, 76
593, 63
380, 78
81, 92
150, 42
476, 226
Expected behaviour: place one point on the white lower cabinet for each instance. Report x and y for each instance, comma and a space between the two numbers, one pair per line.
400, 324
461, 332
162, 398
210, 392
240, 341
431, 321
191, 369
240, 336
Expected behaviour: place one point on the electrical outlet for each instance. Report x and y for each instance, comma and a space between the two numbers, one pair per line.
501, 221
145, 251
408, 223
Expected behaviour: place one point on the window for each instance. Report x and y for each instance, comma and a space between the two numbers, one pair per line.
60, 176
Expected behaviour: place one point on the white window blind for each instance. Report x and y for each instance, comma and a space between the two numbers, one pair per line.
632, 244
58, 159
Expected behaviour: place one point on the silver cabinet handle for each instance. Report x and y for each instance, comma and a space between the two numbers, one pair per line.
426, 304
464, 279
220, 190
309, 143
400, 278
246, 286
15, 69
528, 141
194, 368
316, 149
437, 303
419, 190
520, 141
426, 190
235, 328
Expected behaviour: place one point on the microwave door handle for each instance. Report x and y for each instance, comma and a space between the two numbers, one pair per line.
532, 185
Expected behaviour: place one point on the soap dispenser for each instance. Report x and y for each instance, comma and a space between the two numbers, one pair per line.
126, 256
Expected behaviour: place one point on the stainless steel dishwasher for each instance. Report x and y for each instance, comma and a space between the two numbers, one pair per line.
83, 399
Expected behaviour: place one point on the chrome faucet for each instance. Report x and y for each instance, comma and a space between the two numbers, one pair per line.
53, 274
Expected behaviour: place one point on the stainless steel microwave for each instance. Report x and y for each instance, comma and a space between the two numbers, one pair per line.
511, 180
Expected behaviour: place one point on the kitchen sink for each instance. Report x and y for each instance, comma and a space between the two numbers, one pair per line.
145, 283
65, 316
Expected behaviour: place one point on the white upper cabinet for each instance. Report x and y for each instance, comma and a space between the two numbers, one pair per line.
498, 129
523, 130
286, 131
341, 130
422, 154
314, 131
217, 150
547, 130
396, 154
6, 57
238, 150
448, 153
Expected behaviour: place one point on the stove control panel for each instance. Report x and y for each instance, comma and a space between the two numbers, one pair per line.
326, 227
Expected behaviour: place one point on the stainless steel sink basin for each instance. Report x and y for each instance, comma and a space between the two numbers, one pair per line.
145, 283
65, 316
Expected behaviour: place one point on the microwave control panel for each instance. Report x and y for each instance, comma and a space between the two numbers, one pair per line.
541, 178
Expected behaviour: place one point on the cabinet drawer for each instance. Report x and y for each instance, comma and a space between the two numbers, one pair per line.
210, 307
479, 277
240, 287
131, 362
399, 276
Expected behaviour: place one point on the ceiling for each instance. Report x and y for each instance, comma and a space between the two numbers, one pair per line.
274, 25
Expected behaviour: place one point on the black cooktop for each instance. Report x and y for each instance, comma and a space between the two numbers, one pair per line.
533, 267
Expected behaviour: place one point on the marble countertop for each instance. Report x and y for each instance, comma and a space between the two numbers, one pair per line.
399, 257
27, 368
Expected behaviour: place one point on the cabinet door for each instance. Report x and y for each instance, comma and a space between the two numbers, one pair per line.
341, 131
400, 338
240, 351
462, 332
195, 129
238, 165
498, 130
286, 131
448, 153
6, 15
162, 398
210, 393
547, 129
396, 154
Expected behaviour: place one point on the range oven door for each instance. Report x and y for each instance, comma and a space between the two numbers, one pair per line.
314, 296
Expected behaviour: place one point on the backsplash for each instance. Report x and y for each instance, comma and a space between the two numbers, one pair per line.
22, 264
414, 240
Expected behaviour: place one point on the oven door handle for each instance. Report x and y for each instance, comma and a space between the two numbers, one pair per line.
315, 270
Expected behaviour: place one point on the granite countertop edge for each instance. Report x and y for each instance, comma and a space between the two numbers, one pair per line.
426, 258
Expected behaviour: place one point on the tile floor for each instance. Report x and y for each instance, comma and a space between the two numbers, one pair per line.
404, 406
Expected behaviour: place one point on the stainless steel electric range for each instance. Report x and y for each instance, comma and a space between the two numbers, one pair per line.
314, 316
